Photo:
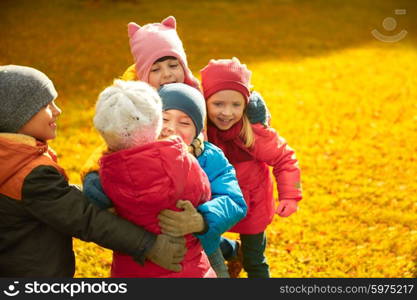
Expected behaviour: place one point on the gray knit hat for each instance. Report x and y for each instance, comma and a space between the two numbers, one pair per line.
23, 92
186, 99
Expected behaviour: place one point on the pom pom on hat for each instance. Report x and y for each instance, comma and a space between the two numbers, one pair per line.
128, 114
225, 74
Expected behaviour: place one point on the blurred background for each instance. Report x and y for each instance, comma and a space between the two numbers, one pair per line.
340, 80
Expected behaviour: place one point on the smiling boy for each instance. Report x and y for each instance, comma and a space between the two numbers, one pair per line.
39, 211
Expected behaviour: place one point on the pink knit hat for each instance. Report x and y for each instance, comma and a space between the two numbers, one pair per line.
153, 41
225, 74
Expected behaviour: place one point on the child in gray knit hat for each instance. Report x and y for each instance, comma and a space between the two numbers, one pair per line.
39, 211
23, 92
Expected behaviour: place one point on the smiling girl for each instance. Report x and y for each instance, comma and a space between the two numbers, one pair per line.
251, 149
158, 54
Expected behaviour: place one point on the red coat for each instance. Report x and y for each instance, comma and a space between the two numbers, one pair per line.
255, 179
144, 180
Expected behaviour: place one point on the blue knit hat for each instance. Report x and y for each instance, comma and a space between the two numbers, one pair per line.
23, 92
186, 99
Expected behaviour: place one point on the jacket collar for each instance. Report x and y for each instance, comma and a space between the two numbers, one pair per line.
18, 150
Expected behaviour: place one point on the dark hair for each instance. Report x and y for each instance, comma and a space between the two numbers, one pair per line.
164, 58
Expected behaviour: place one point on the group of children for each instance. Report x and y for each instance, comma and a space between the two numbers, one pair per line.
181, 165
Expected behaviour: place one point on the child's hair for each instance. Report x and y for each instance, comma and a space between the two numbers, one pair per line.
229, 74
23, 92
128, 114
186, 99
164, 58
154, 41
246, 132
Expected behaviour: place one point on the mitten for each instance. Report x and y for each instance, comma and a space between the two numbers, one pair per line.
167, 252
287, 208
257, 111
180, 223
93, 190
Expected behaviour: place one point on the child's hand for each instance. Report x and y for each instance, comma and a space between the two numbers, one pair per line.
180, 223
286, 208
168, 252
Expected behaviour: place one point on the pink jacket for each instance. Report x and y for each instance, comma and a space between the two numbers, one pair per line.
144, 180
255, 178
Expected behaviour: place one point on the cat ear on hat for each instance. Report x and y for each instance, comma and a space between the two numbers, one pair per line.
236, 60
170, 22
132, 27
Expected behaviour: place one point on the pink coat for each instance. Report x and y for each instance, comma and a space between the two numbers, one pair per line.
255, 179
144, 180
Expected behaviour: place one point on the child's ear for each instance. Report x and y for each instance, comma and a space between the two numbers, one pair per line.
170, 22
132, 28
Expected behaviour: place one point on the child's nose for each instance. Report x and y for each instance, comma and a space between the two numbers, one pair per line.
56, 110
167, 130
227, 111
167, 73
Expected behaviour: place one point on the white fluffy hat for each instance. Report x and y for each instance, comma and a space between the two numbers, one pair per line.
128, 114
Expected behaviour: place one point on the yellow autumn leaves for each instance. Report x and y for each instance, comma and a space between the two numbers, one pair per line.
352, 118
346, 102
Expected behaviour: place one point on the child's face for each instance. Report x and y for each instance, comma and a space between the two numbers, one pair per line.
167, 71
179, 123
42, 126
225, 108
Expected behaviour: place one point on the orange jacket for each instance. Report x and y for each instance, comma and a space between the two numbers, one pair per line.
40, 213
19, 155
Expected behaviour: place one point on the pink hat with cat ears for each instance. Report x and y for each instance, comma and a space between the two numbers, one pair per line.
151, 42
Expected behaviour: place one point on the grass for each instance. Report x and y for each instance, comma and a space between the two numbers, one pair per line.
342, 99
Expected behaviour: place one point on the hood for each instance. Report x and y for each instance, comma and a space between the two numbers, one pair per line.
153, 41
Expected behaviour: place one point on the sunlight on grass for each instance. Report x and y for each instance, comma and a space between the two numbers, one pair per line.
343, 100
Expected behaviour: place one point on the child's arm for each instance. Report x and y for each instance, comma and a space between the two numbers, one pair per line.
130, 73
225, 209
93, 190
92, 163
49, 198
274, 150
227, 206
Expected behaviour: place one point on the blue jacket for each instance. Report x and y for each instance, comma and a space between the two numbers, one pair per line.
223, 211
227, 206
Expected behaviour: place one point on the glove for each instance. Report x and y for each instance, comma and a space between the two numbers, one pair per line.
197, 146
93, 190
180, 223
287, 208
257, 111
167, 252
